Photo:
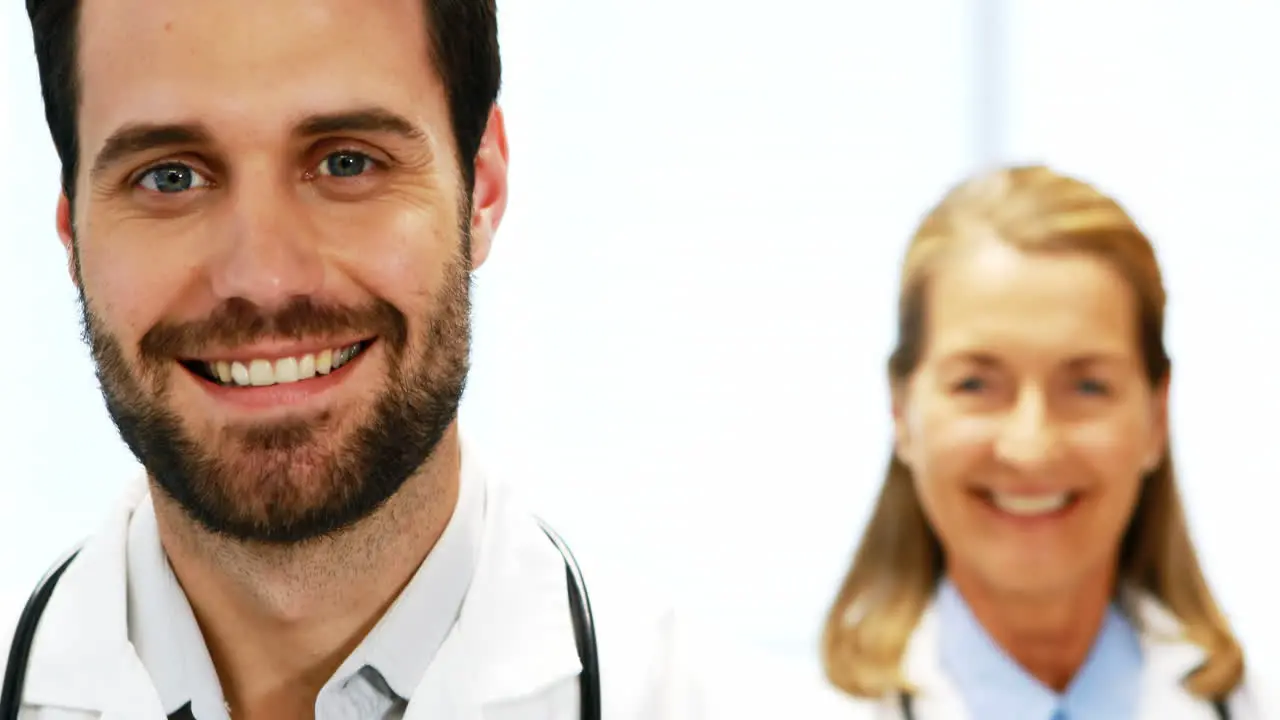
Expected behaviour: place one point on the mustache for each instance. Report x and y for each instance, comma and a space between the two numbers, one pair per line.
241, 322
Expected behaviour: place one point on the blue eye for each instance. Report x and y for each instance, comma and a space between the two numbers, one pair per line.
346, 164
970, 385
171, 178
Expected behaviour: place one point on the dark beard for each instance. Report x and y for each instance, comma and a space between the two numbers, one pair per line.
279, 483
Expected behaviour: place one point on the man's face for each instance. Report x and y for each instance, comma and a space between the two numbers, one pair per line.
274, 247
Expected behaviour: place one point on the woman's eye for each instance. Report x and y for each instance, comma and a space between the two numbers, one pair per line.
970, 385
171, 178
346, 164
1092, 387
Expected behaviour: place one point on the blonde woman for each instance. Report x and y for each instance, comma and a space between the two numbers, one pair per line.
1028, 556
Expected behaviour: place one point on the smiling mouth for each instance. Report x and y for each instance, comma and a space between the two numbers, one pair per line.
1046, 504
276, 371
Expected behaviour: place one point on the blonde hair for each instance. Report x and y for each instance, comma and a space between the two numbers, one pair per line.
899, 561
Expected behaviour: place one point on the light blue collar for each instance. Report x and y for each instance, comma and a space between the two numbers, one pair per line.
995, 687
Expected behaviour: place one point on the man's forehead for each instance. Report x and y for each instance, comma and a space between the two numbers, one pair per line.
282, 16
266, 63
236, 40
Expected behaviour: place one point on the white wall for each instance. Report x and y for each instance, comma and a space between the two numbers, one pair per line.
680, 336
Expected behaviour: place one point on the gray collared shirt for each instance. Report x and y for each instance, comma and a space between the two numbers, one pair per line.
376, 680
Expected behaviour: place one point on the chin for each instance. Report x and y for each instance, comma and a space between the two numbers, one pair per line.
1036, 577
277, 467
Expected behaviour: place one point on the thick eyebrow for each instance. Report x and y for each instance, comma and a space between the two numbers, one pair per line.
137, 138
143, 137
366, 120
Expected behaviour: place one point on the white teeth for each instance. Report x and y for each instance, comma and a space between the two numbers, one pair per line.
306, 367
261, 372
1030, 505
239, 373
287, 370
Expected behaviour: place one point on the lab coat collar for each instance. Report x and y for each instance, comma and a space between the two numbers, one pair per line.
82, 658
1169, 655
514, 635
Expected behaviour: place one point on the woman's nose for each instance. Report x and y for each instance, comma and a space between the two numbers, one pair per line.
1028, 436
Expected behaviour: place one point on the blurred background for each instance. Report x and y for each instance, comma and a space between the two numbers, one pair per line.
680, 336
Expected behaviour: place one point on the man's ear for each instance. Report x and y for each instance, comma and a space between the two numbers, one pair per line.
67, 234
489, 196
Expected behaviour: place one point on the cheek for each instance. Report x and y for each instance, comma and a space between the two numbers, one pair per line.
405, 253
1111, 446
131, 285
1113, 456
950, 454
949, 448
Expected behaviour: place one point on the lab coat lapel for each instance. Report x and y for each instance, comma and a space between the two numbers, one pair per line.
514, 637
936, 697
1169, 658
134, 695
82, 659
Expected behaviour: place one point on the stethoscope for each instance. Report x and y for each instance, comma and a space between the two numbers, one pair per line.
584, 635
906, 703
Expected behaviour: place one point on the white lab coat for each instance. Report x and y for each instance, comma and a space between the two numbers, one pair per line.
1167, 659
511, 655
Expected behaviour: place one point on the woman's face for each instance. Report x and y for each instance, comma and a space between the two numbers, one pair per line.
1030, 421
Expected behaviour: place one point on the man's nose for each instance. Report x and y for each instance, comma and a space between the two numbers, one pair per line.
271, 253
1028, 436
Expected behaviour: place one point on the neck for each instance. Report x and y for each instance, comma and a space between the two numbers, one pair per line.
1049, 634
279, 621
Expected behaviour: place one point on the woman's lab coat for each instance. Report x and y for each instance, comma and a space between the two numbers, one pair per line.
1167, 659
511, 655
